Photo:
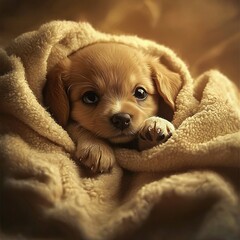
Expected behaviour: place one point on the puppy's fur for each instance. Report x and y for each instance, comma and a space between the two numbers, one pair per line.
108, 94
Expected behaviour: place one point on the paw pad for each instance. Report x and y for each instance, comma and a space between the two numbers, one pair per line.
155, 131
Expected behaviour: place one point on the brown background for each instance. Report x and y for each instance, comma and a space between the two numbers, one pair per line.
204, 33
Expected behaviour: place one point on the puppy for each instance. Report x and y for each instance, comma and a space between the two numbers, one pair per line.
109, 94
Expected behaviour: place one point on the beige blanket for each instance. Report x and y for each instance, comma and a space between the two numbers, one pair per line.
186, 188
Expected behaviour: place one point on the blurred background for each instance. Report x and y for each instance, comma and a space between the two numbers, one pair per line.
204, 33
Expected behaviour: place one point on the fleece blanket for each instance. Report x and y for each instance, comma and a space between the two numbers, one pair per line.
186, 188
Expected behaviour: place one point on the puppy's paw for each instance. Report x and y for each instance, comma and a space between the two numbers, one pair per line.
97, 156
154, 131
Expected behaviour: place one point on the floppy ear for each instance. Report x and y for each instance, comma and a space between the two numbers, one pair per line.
55, 97
168, 83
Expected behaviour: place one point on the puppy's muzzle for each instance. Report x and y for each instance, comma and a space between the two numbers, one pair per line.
121, 121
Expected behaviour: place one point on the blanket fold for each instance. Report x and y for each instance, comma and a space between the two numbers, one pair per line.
186, 188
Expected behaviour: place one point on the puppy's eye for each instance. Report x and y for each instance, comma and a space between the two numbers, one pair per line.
90, 97
140, 93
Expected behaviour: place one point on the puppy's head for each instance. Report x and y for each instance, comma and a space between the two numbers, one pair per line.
109, 89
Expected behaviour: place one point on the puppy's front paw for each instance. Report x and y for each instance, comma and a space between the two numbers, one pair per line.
98, 156
154, 131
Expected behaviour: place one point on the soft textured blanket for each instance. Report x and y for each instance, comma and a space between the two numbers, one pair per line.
186, 188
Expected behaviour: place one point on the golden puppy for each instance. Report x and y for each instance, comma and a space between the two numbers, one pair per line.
109, 94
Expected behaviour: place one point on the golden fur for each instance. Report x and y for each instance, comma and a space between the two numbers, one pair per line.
105, 94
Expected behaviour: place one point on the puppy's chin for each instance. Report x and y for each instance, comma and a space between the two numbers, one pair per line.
121, 139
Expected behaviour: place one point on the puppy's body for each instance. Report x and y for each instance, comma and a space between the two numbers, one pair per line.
108, 94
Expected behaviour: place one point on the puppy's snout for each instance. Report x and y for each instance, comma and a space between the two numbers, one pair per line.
121, 120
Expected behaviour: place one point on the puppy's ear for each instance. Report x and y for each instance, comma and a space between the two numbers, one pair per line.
168, 83
55, 96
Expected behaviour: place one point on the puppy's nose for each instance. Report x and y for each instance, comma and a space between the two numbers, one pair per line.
121, 120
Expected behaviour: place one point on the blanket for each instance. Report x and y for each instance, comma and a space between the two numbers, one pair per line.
185, 188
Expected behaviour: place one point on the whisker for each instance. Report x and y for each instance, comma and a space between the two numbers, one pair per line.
73, 84
82, 76
79, 83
